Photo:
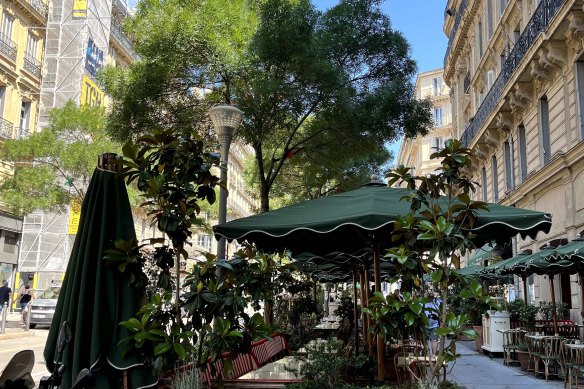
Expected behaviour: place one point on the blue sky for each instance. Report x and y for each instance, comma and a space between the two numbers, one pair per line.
420, 21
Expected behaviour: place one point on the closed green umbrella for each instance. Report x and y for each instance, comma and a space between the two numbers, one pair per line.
95, 296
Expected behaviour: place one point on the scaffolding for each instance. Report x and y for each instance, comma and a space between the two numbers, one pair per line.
45, 246
77, 43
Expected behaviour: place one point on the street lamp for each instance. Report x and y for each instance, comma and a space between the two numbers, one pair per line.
225, 120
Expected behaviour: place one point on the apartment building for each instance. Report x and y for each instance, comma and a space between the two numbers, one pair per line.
22, 35
516, 71
415, 152
78, 39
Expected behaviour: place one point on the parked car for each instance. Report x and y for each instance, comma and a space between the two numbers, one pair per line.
42, 308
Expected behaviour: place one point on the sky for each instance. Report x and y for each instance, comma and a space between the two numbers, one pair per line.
421, 22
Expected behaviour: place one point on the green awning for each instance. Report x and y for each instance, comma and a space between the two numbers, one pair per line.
481, 254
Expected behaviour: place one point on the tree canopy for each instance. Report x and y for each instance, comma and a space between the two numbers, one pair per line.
54, 166
322, 92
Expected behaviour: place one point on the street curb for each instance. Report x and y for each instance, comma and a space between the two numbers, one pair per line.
16, 335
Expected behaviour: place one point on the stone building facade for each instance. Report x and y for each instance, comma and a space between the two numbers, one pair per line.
416, 152
516, 73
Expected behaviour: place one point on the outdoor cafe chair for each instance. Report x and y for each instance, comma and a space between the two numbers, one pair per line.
534, 342
511, 340
568, 359
549, 355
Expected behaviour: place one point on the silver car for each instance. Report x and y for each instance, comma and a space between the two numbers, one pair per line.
42, 308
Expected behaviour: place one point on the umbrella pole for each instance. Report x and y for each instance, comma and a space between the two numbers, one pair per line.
581, 276
355, 312
380, 351
363, 304
554, 316
367, 295
524, 279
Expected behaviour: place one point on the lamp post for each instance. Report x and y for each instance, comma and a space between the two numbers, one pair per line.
225, 120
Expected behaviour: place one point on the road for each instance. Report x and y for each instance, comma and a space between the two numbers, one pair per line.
9, 347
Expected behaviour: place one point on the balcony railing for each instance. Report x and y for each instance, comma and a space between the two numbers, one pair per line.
22, 133
39, 6
5, 129
8, 47
538, 23
457, 18
116, 31
32, 65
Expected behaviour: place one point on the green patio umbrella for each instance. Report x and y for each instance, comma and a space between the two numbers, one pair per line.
350, 221
95, 296
361, 218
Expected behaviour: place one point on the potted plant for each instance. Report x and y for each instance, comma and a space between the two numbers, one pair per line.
522, 315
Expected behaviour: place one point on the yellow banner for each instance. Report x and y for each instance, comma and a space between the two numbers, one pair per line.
91, 95
74, 216
79, 8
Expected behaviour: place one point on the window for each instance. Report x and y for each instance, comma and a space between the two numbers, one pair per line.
24, 116
204, 241
580, 95
484, 183
437, 117
490, 79
509, 169
7, 22
489, 19
495, 180
2, 99
522, 152
480, 39
544, 130
31, 46
437, 144
437, 82
10, 241
502, 6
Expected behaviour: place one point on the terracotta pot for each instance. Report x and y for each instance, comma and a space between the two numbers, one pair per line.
523, 358
479, 339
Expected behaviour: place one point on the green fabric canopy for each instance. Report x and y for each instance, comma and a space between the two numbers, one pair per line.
353, 220
95, 296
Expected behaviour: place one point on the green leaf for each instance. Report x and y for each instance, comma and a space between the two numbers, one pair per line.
162, 348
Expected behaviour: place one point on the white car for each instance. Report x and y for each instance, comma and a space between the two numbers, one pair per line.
42, 308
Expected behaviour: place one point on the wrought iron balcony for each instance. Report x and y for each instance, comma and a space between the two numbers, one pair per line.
116, 31
22, 133
32, 65
457, 18
39, 6
8, 47
5, 129
538, 23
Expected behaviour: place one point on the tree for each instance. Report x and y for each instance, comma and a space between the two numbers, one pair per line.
53, 167
430, 249
321, 91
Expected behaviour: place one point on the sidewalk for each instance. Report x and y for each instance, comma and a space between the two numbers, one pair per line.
477, 371
14, 328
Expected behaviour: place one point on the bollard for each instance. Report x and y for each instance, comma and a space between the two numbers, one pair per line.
27, 325
3, 320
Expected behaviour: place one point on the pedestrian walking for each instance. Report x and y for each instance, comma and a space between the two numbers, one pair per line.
5, 294
25, 298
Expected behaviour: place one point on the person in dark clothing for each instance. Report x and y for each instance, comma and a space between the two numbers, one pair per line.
25, 298
5, 294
